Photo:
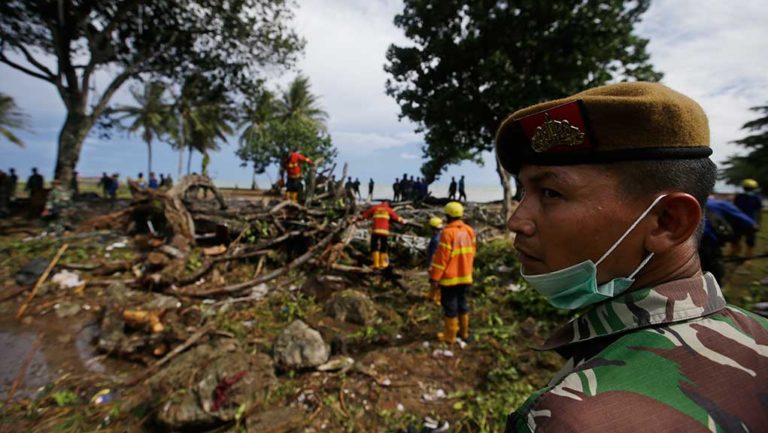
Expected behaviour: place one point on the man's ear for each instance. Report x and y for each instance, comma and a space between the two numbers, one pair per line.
677, 217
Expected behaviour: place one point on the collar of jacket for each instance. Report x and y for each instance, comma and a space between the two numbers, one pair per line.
670, 302
457, 223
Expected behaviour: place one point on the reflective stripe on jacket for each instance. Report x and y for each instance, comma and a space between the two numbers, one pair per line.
453, 261
381, 214
292, 166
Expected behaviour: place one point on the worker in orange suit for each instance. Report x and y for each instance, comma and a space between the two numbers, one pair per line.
381, 214
451, 272
292, 168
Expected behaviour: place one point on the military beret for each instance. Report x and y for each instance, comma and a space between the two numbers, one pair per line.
617, 122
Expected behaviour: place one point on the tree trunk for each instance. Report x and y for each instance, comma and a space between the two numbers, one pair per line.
149, 158
73, 132
507, 200
189, 161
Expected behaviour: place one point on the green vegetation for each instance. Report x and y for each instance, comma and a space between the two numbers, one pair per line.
753, 165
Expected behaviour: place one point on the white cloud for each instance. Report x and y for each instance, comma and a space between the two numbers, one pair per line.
408, 155
356, 142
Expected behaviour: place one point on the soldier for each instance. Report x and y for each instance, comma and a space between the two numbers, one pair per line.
615, 180
381, 214
58, 199
450, 275
396, 190
462, 191
5, 193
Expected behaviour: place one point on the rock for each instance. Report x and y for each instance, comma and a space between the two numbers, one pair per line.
323, 286
29, 273
66, 309
224, 378
172, 251
300, 346
67, 280
283, 420
157, 260
352, 306
162, 303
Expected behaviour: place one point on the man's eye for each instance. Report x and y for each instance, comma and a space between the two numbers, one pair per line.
550, 193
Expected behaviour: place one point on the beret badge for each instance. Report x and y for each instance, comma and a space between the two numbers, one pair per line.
554, 133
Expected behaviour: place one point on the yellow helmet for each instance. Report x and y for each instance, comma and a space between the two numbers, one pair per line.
436, 222
749, 184
454, 209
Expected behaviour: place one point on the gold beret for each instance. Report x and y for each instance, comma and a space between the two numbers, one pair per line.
617, 122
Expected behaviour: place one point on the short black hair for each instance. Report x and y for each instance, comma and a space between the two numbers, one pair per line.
646, 178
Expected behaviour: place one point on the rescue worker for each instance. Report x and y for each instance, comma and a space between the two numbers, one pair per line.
292, 168
451, 273
381, 214
749, 202
436, 226
615, 181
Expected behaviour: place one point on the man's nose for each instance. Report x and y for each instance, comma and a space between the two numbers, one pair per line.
520, 224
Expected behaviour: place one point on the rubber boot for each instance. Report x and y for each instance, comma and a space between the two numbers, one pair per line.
464, 326
451, 329
295, 197
376, 260
288, 195
384, 260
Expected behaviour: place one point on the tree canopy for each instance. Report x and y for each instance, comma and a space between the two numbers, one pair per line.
66, 42
471, 63
753, 165
275, 126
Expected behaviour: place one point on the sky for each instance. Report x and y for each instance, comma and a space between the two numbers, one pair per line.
711, 50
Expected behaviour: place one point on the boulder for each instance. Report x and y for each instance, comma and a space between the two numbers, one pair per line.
300, 346
352, 306
205, 386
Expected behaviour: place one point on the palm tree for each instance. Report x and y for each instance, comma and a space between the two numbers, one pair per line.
298, 103
10, 117
152, 115
203, 119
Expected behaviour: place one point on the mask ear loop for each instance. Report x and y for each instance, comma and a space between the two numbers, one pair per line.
629, 230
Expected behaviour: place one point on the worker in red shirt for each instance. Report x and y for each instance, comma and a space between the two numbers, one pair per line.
381, 214
292, 168
451, 272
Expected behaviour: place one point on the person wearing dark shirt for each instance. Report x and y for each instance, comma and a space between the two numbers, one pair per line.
751, 204
452, 189
722, 221
34, 183
356, 187
14, 181
104, 183
153, 184
370, 189
462, 192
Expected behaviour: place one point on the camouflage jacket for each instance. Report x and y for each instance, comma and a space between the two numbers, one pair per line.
671, 358
58, 198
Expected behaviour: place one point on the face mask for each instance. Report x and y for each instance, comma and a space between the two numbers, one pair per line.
576, 286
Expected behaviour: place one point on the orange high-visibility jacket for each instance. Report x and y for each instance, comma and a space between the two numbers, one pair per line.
381, 214
453, 260
292, 166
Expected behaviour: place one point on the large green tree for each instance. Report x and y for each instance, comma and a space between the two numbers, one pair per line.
10, 118
753, 165
152, 116
471, 63
275, 126
67, 42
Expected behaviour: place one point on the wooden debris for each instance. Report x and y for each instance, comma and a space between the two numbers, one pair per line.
40, 281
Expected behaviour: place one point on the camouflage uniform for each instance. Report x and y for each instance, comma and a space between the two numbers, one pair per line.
671, 358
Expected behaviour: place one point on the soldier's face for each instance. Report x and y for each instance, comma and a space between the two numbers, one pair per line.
575, 213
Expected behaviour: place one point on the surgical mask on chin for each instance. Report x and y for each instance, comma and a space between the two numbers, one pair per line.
576, 286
